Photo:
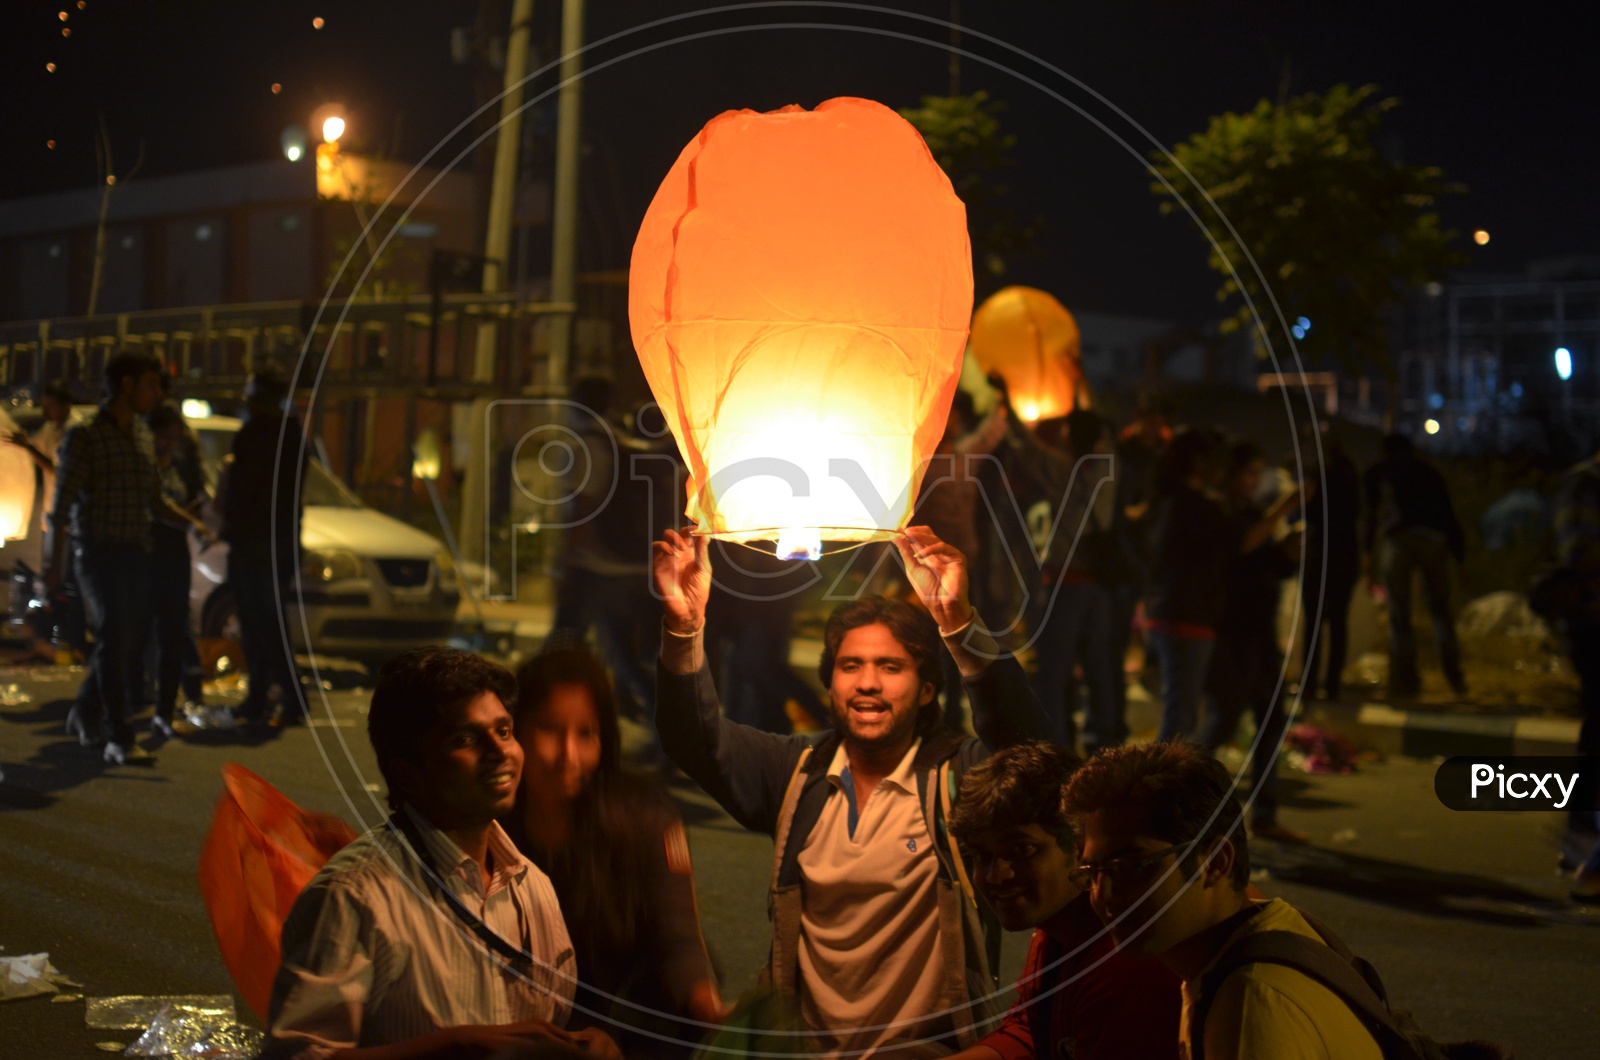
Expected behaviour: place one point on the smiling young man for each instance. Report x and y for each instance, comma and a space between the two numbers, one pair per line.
875, 934
1164, 856
410, 943
1077, 996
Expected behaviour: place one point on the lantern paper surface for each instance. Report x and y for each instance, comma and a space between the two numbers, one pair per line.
1032, 341
16, 485
799, 297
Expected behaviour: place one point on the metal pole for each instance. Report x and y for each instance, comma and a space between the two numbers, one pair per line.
497, 245
564, 219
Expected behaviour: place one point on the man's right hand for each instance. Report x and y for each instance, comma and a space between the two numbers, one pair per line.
681, 566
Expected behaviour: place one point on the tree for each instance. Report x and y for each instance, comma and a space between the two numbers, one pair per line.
964, 136
1340, 232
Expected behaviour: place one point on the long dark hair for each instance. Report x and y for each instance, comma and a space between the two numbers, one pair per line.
599, 873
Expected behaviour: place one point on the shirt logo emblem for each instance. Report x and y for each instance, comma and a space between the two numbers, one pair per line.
911, 845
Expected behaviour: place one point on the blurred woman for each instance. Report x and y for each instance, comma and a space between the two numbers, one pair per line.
614, 846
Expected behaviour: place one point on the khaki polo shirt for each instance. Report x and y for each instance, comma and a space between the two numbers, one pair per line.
869, 921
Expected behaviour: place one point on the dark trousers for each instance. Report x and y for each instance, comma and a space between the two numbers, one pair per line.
1076, 630
174, 637
754, 637
1185, 663
114, 578
1583, 637
1327, 610
258, 594
1401, 557
1246, 674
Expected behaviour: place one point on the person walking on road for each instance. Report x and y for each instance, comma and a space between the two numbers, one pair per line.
261, 523
1578, 550
1411, 529
107, 490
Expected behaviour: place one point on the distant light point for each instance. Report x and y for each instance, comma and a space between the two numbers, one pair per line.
66, 31
50, 67
62, 15
1432, 426
111, 178
1480, 237
50, 145
276, 88
317, 23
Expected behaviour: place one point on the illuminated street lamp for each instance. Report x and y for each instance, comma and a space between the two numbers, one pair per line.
293, 141
332, 128
1563, 363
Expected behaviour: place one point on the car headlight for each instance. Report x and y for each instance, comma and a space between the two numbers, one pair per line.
445, 564
329, 565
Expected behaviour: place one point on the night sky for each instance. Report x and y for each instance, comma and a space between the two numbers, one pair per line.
1504, 105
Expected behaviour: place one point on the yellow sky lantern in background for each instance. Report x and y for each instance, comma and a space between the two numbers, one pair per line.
1032, 341
799, 296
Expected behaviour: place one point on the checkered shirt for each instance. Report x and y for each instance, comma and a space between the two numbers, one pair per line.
107, 481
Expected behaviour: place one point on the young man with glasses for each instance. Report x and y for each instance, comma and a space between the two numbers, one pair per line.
1077, 996
1164, 857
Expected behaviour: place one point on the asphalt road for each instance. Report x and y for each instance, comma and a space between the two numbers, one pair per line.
1462, 913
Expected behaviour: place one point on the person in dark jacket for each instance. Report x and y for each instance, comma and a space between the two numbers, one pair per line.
614, 847
261, 523
1411, 528
878, 941
1333, 560
1247, 669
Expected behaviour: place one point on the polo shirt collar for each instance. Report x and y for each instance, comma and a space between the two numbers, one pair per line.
904, 776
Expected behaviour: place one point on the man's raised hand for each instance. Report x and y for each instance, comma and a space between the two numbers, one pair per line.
938, 573
681, 566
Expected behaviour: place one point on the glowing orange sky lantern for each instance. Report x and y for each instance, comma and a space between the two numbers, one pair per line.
1032, 341
799, 297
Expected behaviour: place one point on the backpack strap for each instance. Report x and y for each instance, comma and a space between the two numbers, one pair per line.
1317, 961
949, 783
780, 836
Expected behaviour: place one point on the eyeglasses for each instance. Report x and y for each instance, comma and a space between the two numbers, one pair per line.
1119, 871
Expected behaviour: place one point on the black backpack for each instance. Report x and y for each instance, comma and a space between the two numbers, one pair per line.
1352, 980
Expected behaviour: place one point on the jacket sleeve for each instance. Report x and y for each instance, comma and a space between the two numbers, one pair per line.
1005, 710
744, 769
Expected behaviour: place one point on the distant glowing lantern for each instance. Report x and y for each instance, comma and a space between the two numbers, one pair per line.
16, 486
799, 297
1032, 341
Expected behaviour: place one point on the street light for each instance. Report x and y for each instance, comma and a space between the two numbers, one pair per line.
332, 128
1563, 363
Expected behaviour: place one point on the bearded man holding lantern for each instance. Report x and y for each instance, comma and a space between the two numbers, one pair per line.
800, 295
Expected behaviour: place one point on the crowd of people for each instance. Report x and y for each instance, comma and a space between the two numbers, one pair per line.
125, 491
530, 896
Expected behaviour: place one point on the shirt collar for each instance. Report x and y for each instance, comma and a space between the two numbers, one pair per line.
452, 860
904, 776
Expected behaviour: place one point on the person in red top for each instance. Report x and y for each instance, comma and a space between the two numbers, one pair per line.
1077, 996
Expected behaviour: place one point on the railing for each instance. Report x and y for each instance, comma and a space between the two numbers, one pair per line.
412, 344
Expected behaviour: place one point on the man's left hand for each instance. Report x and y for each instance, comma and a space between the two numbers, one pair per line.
938, 573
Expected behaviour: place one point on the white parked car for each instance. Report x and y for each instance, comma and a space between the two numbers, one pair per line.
368, 585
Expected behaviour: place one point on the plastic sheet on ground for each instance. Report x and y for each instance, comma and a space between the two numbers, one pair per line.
30, 975
136, 1012
208, 716
182, 1031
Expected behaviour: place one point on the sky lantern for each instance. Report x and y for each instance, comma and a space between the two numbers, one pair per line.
1032, 341
799, 296
16, 486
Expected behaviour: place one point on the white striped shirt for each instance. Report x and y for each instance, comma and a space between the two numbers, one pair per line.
373, 955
